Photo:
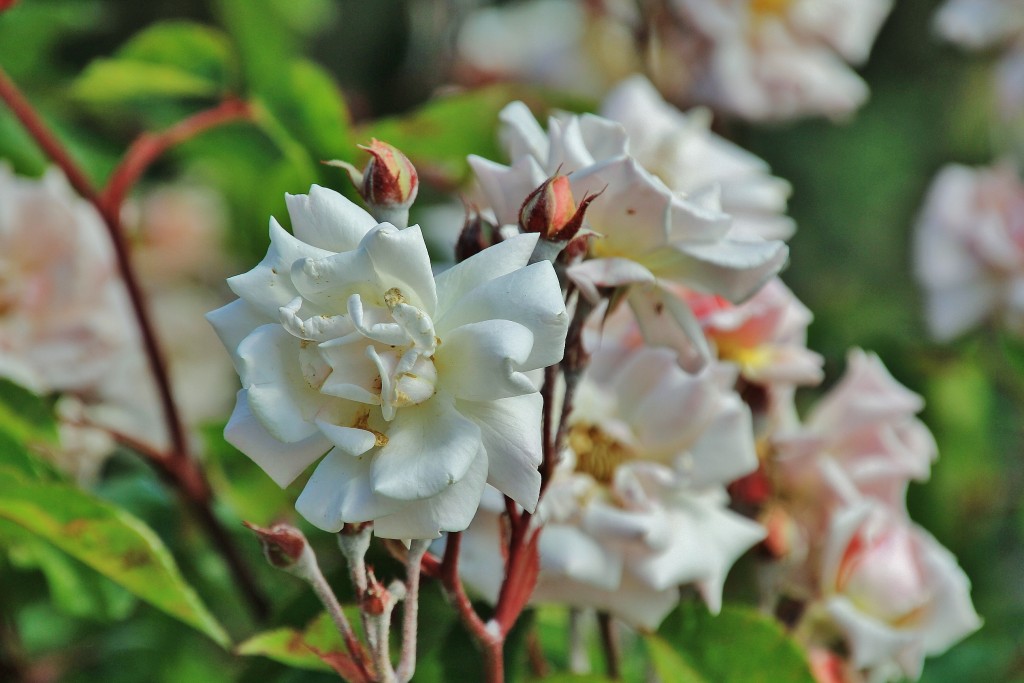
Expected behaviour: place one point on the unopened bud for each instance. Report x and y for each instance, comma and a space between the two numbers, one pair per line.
284, 546
388, 183
376, 599
477, 234
551, 210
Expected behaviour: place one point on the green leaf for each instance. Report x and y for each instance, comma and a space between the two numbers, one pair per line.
107, 81
74, 588
255, 27
26, 421
315, 112
739, 645
109, 540
669, 664
191, 48
303, 649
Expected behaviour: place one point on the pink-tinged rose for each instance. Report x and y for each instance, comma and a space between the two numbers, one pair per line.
388, 182
862, 438
895, 593
782, 59
766, 336
64, 314
969, 249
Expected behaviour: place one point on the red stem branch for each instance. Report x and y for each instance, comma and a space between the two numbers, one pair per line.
490, 642
175, 466
148, 147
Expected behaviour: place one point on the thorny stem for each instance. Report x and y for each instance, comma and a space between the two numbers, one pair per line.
407, 660
609, 646
177, 468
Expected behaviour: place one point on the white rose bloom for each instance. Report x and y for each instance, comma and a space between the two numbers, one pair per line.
64, 315
345, 342
637, 506
648, 234
680, 149
968, 254
781, 59
895, 593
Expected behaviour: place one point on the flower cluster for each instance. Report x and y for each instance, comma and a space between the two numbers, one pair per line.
649, 237
755, 59
847, 549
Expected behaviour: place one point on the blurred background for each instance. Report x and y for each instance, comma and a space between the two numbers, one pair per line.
857, 188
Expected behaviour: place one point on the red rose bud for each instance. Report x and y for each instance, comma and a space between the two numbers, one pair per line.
551, 210
283, 545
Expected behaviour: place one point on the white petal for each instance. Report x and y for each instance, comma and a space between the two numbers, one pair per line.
493, 262
349, 440
510, 429
520, 133
268, 286
278, 393
281, 461
725, 450
731, 268
506, 187
430, 448
568, 551
233, 323
327, 219
666, 321
591, 274
483, 361
450, 510
401, 260
530, 296
339, 492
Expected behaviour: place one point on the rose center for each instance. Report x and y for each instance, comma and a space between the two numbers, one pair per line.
597, 453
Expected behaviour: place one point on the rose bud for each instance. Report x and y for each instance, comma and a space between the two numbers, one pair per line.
551, 210
477, 234
388, 183
284, 546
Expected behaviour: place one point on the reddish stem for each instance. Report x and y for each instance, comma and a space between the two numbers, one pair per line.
490, 642
176, 467
148, 147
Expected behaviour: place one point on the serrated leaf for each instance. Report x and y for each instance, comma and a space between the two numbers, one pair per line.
109, 81
309, 648
192, 48
708, 644
110, 541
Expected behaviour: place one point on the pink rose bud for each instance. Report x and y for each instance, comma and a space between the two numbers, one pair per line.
551, 210
283, 545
